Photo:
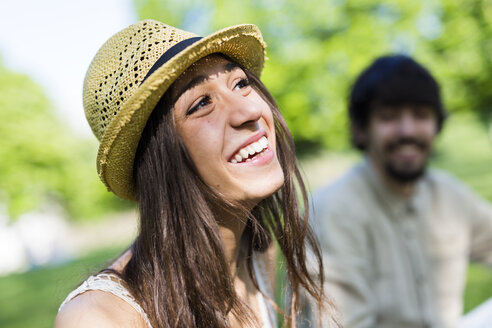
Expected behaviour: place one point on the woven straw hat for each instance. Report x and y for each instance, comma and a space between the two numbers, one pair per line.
131, 72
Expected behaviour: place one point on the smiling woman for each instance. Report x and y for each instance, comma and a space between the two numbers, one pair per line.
227, 128
188, 131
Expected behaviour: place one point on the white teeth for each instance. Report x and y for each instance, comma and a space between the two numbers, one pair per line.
263, 142
251, 149
243, 153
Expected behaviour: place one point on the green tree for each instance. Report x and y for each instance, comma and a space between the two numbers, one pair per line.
41, 160
318, 47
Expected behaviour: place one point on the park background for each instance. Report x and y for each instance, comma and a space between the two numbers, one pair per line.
315, 50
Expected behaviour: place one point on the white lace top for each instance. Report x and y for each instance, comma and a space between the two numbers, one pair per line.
110, 283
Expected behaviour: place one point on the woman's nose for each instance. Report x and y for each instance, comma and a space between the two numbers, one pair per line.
243, 110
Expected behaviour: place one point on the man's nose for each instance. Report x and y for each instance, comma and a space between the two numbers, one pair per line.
407, 125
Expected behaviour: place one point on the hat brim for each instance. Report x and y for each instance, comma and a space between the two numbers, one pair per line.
241, 43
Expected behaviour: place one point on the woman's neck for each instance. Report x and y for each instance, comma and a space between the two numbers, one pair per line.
231, 230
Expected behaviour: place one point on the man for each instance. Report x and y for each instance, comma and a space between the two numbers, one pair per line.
397, 237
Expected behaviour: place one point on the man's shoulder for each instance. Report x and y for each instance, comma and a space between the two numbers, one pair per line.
338, 199
450, 190
344, 188
444, 181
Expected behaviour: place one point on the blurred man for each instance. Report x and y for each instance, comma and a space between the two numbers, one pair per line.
396, 236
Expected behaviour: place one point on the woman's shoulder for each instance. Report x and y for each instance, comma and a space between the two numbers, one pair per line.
102, 301
97, 308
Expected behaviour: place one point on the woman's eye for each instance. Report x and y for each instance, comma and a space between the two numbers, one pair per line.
242, 84
204, 101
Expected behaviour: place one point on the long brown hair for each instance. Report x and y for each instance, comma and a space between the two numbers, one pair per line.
178, 271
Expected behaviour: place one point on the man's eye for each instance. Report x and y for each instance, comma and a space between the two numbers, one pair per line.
204, 101
385, 115
242, 84
423, 114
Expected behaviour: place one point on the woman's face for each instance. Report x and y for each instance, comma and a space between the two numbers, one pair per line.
228, 130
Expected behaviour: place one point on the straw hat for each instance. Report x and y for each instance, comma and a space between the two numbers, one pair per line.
131, 72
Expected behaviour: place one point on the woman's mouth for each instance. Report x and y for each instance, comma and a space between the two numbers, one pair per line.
251, 151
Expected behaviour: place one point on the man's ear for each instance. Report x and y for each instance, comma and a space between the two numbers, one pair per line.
359, 136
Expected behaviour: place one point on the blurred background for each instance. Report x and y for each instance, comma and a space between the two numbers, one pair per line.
57, 221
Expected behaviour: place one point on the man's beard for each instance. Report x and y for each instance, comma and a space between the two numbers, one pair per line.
402, 174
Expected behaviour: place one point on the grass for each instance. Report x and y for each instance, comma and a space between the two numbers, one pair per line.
478, 286
31, 299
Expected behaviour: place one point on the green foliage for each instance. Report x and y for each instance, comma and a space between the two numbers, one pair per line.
465, 149
318, 47
41, 160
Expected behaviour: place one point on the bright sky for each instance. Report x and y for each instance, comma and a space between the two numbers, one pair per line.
54, 41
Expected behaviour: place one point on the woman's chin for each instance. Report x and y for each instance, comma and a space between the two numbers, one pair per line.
255, 193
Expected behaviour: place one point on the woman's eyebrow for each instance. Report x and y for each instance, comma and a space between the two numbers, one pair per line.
194, 82
228, 67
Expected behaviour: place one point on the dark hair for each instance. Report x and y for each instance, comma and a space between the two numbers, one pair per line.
392, 81
178, 272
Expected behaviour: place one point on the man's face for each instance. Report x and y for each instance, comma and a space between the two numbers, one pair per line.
399, 140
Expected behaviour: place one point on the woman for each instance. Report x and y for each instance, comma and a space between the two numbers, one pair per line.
188, 131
